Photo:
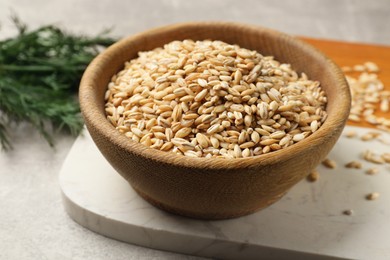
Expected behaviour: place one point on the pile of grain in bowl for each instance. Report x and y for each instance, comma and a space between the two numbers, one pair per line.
212, 99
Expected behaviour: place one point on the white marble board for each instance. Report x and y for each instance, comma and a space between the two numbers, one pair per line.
308, 223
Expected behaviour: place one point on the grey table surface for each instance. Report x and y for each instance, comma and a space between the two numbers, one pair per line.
33, 223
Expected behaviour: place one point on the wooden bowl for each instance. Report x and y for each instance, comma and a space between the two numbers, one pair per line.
213, 188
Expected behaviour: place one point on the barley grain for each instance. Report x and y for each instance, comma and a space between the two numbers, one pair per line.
266, 149
348, 212
386, 157
213, 129
237, 151
191, 154
269, 141
384, 106
313, 176
159, 135
372, 171
246, 153
277, 135
247, 145
188, 97
255, 137
372, 196
314, 126
275, 147
368, 136
166, 146
371, 66
298, 137
354, 118
328, 163
285, 140
354, 165
183, 132
268, 128
202, 140
372, 157
351, 134
214, 142
367, 95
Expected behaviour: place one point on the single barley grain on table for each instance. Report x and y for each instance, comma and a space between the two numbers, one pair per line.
313, 176
354, 165
348, 212
372, 171
372, 196
328, 163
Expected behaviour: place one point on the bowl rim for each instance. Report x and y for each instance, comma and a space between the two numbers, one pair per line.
94, 116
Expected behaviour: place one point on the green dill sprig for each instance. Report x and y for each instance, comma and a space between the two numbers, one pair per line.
40, 72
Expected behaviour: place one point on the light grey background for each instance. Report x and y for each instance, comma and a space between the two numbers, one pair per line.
352, 20
33, 223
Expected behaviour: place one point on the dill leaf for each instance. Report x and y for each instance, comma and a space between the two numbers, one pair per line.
40, 71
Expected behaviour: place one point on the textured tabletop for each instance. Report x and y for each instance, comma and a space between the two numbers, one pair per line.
309, 222
33, 222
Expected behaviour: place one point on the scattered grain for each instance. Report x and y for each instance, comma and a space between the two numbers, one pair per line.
371, 66
328, 163
313, 176
346, 69
351, 134
354, 165
386, 157
370, 156
372, 171
367, 137
359, 68
348, 212
370, 136
354, 118
372, 196
368, 95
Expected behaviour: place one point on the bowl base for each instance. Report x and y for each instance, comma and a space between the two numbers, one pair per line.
205, 215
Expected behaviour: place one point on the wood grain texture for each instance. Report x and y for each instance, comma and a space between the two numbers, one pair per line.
213, 188
350, 54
